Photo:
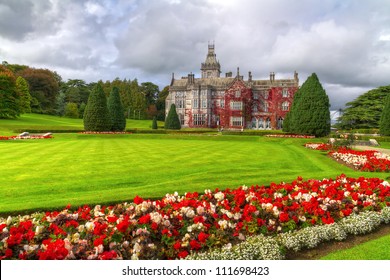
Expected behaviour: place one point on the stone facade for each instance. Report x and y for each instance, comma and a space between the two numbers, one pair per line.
230, 102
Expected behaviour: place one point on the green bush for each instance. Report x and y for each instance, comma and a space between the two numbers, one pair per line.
71, 110
172, 121
154, 123
96, 114
115, 108
384, 125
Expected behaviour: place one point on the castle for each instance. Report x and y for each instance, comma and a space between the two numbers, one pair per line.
230, 102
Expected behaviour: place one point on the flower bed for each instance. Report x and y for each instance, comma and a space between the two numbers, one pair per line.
105, 132
175, 226
290, 136
372, 161
37, 136
318, 146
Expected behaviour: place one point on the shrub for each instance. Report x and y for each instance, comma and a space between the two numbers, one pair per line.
172, 121
71, 110
384, 125
96, 114
154, 123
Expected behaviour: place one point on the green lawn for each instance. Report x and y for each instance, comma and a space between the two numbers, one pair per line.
79, 169
377, 249
46, 122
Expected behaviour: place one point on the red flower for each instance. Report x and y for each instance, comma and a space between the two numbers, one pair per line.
195, 245
202, 237
112, 219
99, 241
138, 200
154, 226
8, 253
122, 226
182, 254
144, 219
283, 217
177, 245
2, 226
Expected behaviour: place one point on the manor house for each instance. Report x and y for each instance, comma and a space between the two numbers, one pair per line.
230, 102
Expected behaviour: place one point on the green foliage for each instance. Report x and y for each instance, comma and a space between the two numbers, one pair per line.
81, 110
365, 111
44, 88
96, 114
384, 125
172, 121
154, 123
24, 95
160, 103
71, 110
9, 97
117, 115
286, 123
310, 110
60, 104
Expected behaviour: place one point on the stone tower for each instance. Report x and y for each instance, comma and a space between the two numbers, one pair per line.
211, 68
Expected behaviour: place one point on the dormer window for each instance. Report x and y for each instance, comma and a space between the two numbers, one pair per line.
238, 93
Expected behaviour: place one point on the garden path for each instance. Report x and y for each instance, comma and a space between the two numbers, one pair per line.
364, 148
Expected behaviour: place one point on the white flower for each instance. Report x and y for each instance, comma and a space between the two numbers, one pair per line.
200, 210
81, 228
39, 229
219, 196
89, 226
9, 220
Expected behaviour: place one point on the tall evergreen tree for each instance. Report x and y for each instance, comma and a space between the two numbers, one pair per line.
172, 121
117, 114
310, 109
365, 111
24, 95
384, 125
96, 114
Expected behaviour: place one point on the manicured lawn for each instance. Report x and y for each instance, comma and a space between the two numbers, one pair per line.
77, 169
46, 122
377, 249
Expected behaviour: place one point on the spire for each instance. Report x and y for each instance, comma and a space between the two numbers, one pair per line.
211, 67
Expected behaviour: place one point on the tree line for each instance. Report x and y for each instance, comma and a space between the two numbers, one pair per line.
24, 89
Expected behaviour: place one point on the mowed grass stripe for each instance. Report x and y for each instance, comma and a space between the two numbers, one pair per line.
97, 169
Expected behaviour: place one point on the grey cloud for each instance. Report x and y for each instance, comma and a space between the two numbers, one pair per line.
15, 19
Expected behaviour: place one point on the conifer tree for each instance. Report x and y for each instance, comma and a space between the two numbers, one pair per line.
24, 95
172, 121
384, 125
154, 123
310, 109
117, 114
96, 115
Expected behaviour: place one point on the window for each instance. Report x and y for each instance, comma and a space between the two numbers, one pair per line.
180, 103
199, 119
254, 108
196, 103
222, 103
285, 92
236, 121
285, 106
255, 96
204, 103
238, 93
234, 105
265, 107
265, 95
181, 118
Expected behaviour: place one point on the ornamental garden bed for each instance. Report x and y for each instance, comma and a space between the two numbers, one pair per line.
369, 160
254, 222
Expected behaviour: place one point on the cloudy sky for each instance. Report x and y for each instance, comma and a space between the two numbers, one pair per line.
347, 43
